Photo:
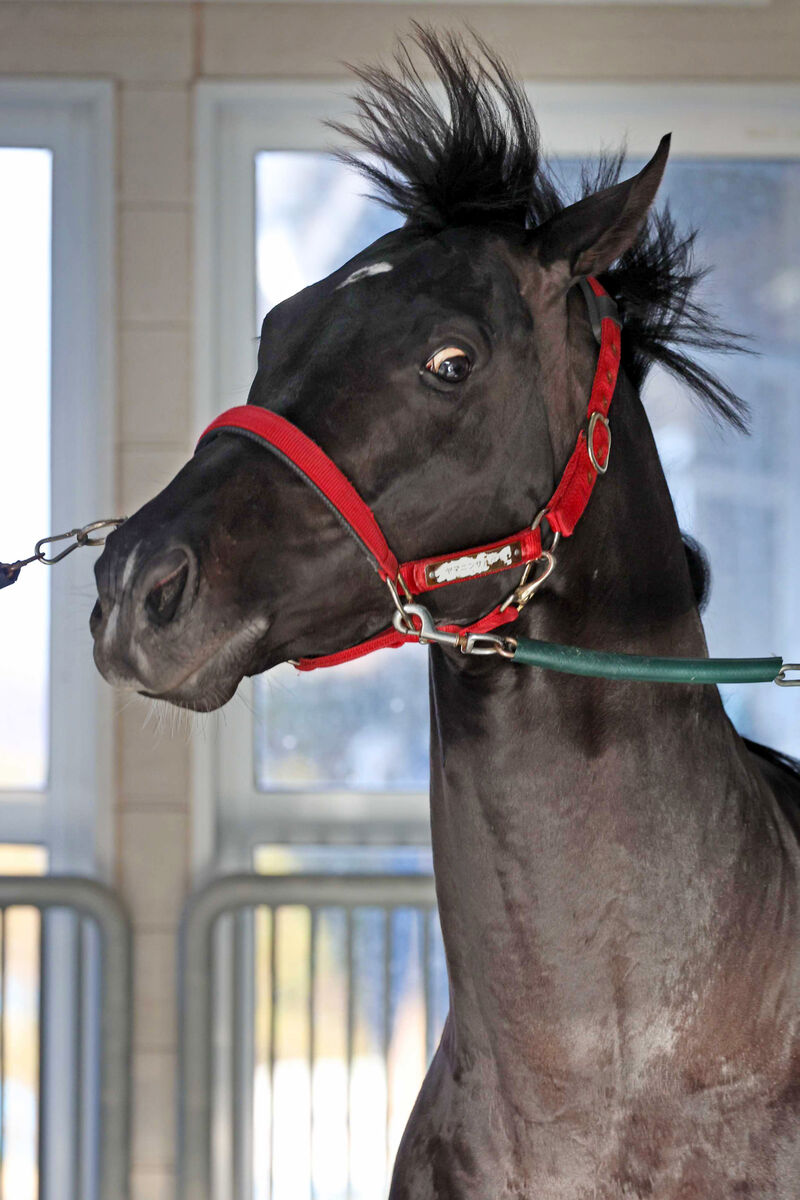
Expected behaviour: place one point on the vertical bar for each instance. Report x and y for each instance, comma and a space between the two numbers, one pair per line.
312, 978
243, 1013
58, 1098
222, 1021
78, 1033
38, 1044
273, 968
349, 1047
387, 1022
425, 917
232, 1041
234, 1112
91, 1059
44, 983
262, 935
3, 1019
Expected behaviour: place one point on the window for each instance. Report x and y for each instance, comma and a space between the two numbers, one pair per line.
56, 196
276, 212
327, 771
55, 377
740, 495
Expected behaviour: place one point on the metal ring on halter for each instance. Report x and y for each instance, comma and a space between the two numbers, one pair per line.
537, 520
596, 419
548, 555
398, 603
781, 679
83, 534
523, 591
507, 647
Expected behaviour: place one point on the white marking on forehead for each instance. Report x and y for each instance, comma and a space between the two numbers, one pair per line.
364, 273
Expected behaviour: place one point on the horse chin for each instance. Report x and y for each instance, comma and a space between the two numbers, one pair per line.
213, 681
204, 700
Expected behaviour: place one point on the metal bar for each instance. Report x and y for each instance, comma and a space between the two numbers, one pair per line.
95, 900
79, 1044
195, 956
235, 1042
58, 1098
243, 1010
92, 1060
44, 981
222, 1133
312, 977
387, 1022
273, 1007
3, 1019
351, 1010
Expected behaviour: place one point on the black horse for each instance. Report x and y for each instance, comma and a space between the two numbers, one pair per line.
617, 870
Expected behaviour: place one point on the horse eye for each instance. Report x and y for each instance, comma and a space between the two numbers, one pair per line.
450, 363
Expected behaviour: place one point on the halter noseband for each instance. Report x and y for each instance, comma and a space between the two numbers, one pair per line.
406, 580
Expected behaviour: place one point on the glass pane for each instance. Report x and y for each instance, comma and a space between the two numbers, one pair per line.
17, 859
311, 216
25, 190
343, 860
363, 725
740, 496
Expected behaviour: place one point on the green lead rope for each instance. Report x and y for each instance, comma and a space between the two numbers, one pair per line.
414, 620
574, 661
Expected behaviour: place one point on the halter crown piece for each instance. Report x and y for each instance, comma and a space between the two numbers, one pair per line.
412, 622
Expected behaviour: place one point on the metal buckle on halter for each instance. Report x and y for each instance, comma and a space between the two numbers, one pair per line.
781, 679
467, 643
596, 419
524, 590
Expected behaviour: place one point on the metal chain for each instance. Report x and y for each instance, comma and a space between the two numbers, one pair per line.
82, 536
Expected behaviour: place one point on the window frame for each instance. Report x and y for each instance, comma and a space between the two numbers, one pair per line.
74, 120
235, 121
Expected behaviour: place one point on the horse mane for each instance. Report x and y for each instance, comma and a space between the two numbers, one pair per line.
479, 161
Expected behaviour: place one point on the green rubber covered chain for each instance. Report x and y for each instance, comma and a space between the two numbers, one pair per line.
572, 660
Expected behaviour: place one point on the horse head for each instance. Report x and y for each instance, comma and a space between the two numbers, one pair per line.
444, 369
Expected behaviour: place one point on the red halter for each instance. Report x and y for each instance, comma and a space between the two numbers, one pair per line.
565, 508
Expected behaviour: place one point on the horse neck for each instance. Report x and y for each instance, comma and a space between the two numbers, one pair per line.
594, 842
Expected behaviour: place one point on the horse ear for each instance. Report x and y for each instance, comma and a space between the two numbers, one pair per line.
587, 237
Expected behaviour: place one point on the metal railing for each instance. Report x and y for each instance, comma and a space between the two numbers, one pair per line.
206, 970
83, 899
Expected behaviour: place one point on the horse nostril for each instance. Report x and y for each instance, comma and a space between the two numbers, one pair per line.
161, 602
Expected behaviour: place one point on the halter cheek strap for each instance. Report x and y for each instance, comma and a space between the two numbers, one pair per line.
523, 549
